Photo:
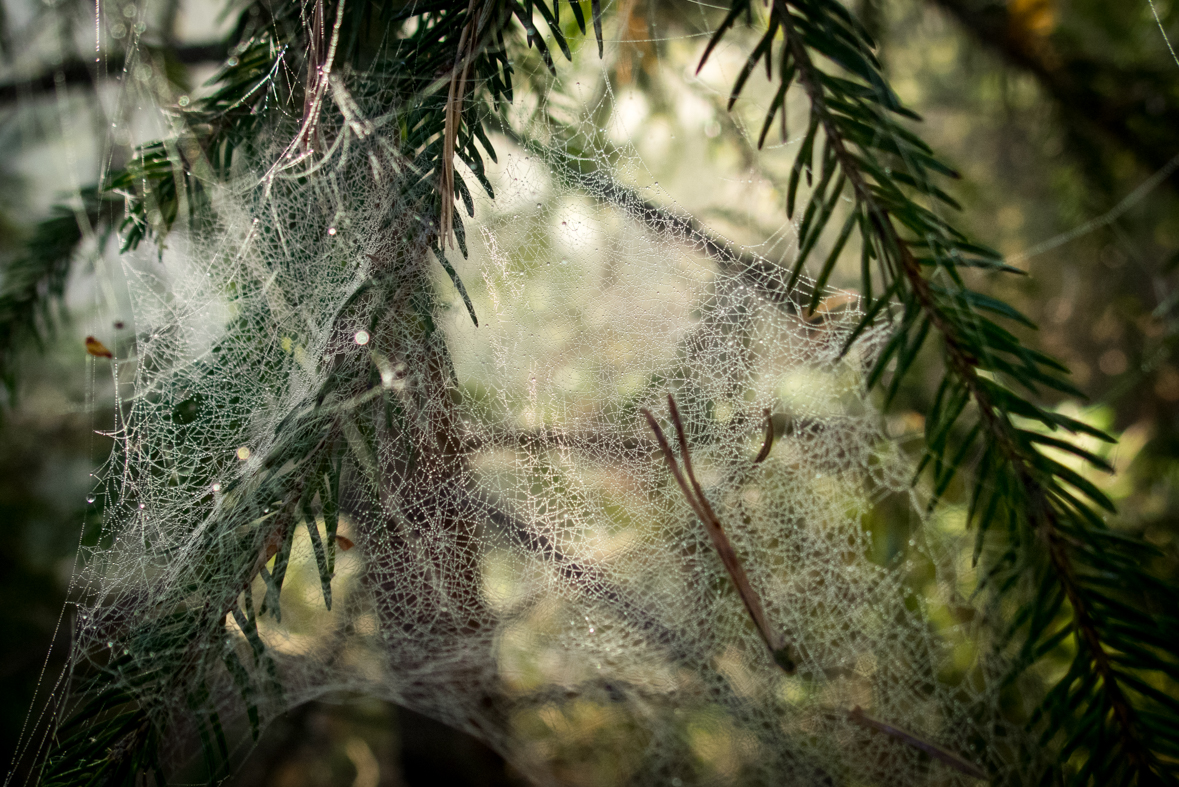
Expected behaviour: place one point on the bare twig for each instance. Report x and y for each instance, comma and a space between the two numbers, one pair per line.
938, 753
454, 116
779, 648
768, 442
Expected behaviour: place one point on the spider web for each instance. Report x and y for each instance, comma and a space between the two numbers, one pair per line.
525, 567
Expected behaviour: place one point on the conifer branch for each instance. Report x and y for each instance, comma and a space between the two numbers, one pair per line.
965, 367
1054, 535
1040, 511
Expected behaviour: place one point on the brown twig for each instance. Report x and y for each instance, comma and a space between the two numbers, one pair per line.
779, 648
454, 113
768, 442
953, 760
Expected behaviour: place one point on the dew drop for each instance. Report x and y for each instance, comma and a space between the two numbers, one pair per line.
142, 506
243, 453
216, 486
183, 101
361, 337
231, 62
538, 206
331, 230
89, 498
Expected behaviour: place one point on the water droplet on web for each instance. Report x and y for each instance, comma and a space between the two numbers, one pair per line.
538, 206
361, 337
142, 506
183, 101
243, 453
331, 230
216, 486
89, 498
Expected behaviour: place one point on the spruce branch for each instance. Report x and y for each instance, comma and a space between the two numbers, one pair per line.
257, 514
1050, 509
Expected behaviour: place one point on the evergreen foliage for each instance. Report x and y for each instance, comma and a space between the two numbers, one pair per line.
1079, 585
1071, 586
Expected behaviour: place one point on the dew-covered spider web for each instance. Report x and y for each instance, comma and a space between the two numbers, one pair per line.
330, 482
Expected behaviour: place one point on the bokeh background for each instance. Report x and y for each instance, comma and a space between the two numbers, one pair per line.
1061, 115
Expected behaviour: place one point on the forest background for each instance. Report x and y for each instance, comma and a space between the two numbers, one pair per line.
1060, 114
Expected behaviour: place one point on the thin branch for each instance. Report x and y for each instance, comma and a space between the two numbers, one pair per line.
768, 441
954, 761
464, 54
779, 648
774, 640
964, 365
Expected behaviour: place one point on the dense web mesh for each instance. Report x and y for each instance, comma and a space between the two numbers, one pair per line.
525, 568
